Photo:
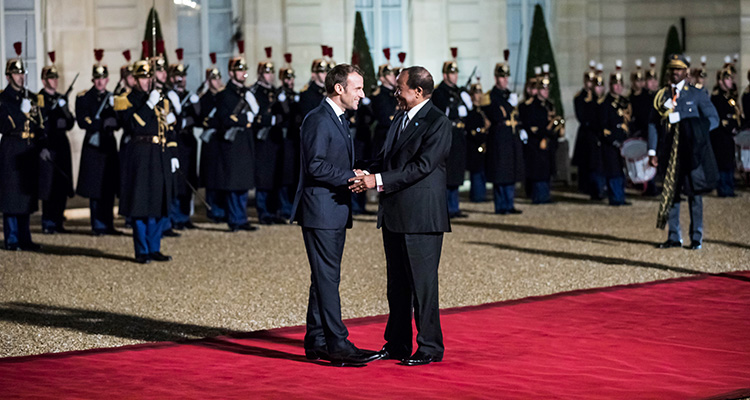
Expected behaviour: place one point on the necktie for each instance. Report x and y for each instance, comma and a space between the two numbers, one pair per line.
404, 122
344, 122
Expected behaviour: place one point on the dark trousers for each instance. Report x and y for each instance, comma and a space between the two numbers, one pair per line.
596, 185
164, 224
286, 194
616, 191
695, 205
102, 215
726, 184
16, 229
325, 329
264, 204
478, 190
540, 192
412, 261
180, 209
236, 207
359, 201
504, 196
147, 235
451, 194
217, 201
53, 211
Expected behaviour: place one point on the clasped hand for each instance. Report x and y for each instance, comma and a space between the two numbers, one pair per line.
362, 181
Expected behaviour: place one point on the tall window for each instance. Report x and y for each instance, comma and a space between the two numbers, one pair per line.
385, 26
203, 27
520, 18
18, 24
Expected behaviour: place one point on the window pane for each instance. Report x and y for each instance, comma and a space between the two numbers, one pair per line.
391, 3
392, 28
363, 4
212, 4
189, 32
195, 73
19, 5
15, 31
220, 32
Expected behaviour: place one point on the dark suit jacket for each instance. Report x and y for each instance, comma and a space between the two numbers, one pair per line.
413, 172
323, 198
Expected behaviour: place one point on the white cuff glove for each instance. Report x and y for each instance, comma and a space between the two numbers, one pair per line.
273, 120
250, 99
652, 152
175, 165
669, 104
250, 116
153, 99
184, 122
111, 101
194, 98
523, 135
61, 102
282, 96
175, 99
513, 99
466, 97
171, 119
25, 106
462, 111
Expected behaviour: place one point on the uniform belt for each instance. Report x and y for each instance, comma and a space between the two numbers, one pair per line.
146, 139
27, 135
458, 124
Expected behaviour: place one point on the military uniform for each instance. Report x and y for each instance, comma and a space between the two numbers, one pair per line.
383, 106
310, 97
539, 149
722, 139
187, 154
615, 115
476, 125
587, 153
210, 157
448, 100
289, 119
269, 146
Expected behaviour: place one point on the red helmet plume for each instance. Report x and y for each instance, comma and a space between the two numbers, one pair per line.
126, 54
269, 51
146, 49
98, 54
159, 47
213, 57
241, 46
454, 52
288, 57
401, 57
506, 54
18, 47
180, 53
51, 55
387, 53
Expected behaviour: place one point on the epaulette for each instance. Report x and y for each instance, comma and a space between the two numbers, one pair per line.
601, 100
304, 88
40, 100
81, 93
122, 103
578, 93
529, 101
485, 100
376, 91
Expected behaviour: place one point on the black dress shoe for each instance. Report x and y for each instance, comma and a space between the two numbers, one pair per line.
458, 215
178, 226
387, 354
280, 220
515, 211
170, 233
244, 227
266, 220
49, 231
669, 244
317, 354
357, 357
158, 256
695, 246
30, 246
420, 358
502, 212
12, 247
142, 259
190, 225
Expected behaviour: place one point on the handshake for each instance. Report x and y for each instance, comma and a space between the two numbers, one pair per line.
362, 181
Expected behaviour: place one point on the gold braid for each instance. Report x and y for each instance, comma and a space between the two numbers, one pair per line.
666, 201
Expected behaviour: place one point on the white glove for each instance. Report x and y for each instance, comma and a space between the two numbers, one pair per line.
175, 99
184, 122
250, 99
366, 101
175, 165
282, 96
61, 102
250, 116
153, 99
513, 99
462, 111
669, 104
45, 155
25, 106
171, 119
466, 97
194, 98
523, 135
273, 120
296, 98
111, 101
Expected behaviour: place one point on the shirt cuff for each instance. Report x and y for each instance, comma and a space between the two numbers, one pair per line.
652, 153
379, 182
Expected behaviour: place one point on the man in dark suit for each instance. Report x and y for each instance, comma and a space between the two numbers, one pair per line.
322, 206
679, 130
410, 174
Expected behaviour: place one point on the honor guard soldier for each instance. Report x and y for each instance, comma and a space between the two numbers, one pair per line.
147, 183
615, 114
328, 53
236, 110
641, 102
544, 127
22, 128
591, 113
746, 104
724, 99
449, 98
55, 182
210, 165
699, 75
505, 164
652, 79
315, 91
99, 173
289, 119
268, 145
476, 125
187, 146
678, 133
383, 103
127, 81
586, 114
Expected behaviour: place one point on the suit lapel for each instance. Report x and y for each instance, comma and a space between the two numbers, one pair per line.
412, 127
392, 133
342, 130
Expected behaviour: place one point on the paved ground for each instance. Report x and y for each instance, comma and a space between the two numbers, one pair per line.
84, 292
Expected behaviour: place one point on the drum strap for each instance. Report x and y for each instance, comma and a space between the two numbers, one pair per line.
670, 180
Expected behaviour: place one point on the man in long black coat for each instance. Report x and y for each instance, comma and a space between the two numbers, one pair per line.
383, 106
722, 138
315, 91
99, 172
21, 127
615, 113
287, 110
147, 177
476, 126
55, 182
211, 146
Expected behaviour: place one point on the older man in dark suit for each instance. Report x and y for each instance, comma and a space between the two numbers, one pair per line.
413, 214
322, 206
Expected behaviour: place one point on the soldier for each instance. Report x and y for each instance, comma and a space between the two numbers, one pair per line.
55, 182
724, 99
268, 145
383, 103
699, 75
315, 91
581, 150
127, 81
615, 114
187, 146
476, 126
641, 102
652, 79
21, 127
211, 145
746, 104
236, 109
544, 127
505, 164
455, 103
147, 184
99, 172
289, 119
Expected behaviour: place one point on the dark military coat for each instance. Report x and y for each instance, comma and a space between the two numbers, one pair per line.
746, 108
19, 155
99, 170
236, 161
505, 163
587, 149
147, 185
448, 100
476, 125
55, 176
288, 120
211, 140
187, 144
269, 140
383, 106
641, 103
360, 129
310, 97
539, 149
615, 112
722, 138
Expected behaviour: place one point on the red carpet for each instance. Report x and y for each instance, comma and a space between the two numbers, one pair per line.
677, 339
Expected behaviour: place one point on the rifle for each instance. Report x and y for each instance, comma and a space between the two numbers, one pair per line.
67, 92
94, 139
474, 72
